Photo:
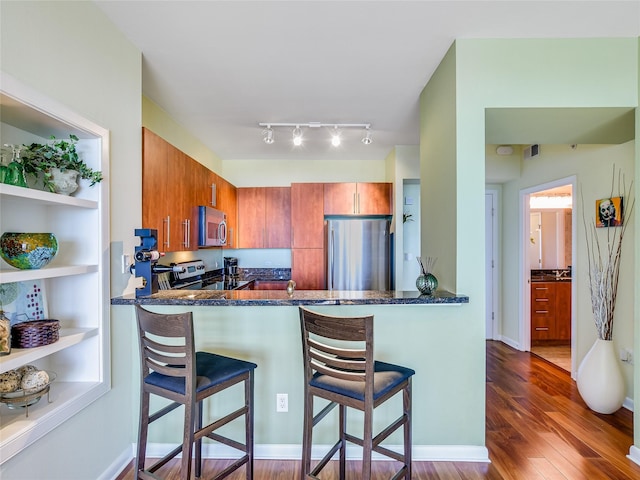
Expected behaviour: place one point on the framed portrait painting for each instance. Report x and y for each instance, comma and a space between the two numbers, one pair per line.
609, 212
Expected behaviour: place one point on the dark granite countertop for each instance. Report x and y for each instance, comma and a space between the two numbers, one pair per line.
263, 298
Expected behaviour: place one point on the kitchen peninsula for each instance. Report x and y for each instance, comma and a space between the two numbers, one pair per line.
263, 326
281, 298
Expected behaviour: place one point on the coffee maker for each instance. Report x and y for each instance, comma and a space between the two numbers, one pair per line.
231, 267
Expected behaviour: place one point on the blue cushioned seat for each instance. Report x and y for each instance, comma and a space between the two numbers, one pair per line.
211, 370
387, 377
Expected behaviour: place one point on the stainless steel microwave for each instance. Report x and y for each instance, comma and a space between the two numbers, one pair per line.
212, 227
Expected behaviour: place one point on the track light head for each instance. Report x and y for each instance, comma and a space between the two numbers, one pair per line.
367, 137
297, 136
335, 137
267, 135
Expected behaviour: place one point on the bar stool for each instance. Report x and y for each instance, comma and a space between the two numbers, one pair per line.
339, 367
170, 368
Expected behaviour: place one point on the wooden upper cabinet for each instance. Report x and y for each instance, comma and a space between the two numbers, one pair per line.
154, 171
251, 214
358, 199
228, 203
167, 193
374, 198
264, 217
172, 185
278, 217
307, 215
181, 196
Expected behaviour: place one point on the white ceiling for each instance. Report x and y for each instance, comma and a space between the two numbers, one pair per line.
221, 67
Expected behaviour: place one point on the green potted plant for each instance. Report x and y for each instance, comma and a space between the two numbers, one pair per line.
58, 158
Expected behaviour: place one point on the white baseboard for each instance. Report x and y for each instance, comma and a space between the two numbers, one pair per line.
628, 403
634, 454
510, 342
420, 453
119, 464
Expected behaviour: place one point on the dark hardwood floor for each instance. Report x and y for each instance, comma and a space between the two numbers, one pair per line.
537, 427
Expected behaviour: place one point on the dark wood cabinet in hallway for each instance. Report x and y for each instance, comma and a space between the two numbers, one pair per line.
537, 427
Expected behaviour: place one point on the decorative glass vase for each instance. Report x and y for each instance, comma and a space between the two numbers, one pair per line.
427, 284
28, 250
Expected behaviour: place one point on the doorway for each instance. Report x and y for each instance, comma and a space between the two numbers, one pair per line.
547, 249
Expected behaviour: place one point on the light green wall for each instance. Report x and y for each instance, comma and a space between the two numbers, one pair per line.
438, 170
282, 173
539, 74
594, 182
158, 121
71, 53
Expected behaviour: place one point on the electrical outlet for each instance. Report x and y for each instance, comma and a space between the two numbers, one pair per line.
626, 355
282, 402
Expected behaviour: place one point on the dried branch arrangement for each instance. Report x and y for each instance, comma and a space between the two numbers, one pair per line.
604, 248
426, 266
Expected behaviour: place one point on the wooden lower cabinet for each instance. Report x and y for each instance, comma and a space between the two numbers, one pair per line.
308, 268
270, 284
550, 312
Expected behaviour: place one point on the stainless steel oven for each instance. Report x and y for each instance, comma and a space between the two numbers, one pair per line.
194, 277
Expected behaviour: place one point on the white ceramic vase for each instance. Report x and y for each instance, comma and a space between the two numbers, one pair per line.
600, 380
64, 182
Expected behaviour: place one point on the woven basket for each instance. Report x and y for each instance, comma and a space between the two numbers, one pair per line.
34, 333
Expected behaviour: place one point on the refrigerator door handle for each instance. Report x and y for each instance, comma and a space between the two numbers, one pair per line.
331, 257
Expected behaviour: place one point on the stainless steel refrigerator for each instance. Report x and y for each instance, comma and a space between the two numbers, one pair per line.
358, 254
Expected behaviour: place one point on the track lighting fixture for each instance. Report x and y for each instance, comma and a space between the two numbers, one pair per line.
367, 137
297, 136
335, 137
268, 134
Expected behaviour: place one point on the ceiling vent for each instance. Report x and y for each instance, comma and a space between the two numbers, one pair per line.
531, 151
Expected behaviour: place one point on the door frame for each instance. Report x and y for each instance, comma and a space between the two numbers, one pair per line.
495, 267
525, 272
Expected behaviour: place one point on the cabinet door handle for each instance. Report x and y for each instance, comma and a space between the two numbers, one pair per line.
542, 288
167, 221
213, 195
358, 197
186, 236
354, 203
542, 311
542, 299
542, 329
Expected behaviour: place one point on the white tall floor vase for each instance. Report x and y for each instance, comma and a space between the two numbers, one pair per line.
600, 380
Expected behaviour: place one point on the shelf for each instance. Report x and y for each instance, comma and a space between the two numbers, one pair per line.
67, 399
8, 276
68, 338
45, 198
77, 279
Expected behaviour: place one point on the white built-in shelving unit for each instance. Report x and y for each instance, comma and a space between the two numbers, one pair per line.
75, 283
